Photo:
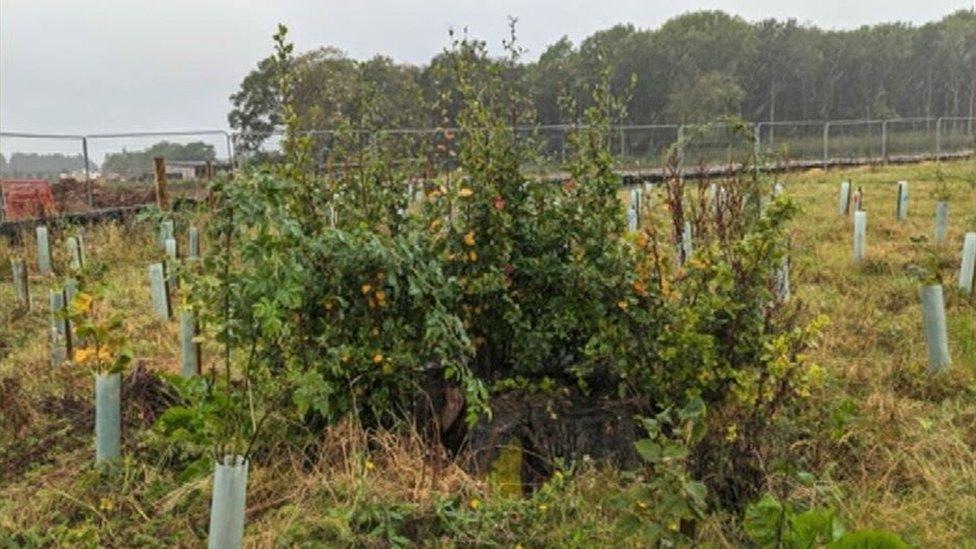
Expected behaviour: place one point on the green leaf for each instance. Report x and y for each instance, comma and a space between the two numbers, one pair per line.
696, 492
648, 450
812, 527
765, 520
869, 539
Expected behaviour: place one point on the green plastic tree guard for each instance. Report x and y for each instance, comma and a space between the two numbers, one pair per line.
934, 320
227, 503
687, 245
171, 249
159, 291
108, 418
58, 329
75, 255
166, 230
901, 208
633, 210
43, 252
968, 268
844, 201
193, 243
860, 236
189, 349
21, 285
783, 290
70, 290
941, 221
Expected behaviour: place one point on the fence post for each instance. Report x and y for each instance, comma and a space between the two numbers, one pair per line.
757, 145
159, 169
681, 149
230, 151
938, 139
884, 141
623, 145
88, 185
826, 149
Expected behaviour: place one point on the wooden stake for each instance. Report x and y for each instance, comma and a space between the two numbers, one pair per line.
162, 196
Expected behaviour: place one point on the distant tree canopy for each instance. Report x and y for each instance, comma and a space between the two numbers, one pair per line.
694, 67
45, 165
137, 163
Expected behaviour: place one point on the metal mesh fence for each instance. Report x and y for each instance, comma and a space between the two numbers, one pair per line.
909, 137
854, 141
643, 147
119, 168
786, 142
125, 160
712, 145
955, 136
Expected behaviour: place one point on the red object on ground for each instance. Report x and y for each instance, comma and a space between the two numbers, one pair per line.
26, 198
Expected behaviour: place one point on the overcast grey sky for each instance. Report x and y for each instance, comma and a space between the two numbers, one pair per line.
112, 65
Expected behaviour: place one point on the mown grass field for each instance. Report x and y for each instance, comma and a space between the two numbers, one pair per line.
881, 441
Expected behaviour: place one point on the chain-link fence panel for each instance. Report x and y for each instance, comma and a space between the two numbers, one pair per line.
714, 145
956, 136
126, 161
642, 147
910, 138
783, 143
854, 141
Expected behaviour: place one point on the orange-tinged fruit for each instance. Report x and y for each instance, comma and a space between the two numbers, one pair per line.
622, 304
81, 355
377, 358
469, 238
465, 192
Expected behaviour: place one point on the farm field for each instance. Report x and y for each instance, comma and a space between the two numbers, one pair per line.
876, 439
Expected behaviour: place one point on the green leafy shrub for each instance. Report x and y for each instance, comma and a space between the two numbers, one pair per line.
771, 523
333, 292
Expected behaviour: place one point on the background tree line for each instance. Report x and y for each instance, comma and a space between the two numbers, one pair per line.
41, 164
138, 163
694, 68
